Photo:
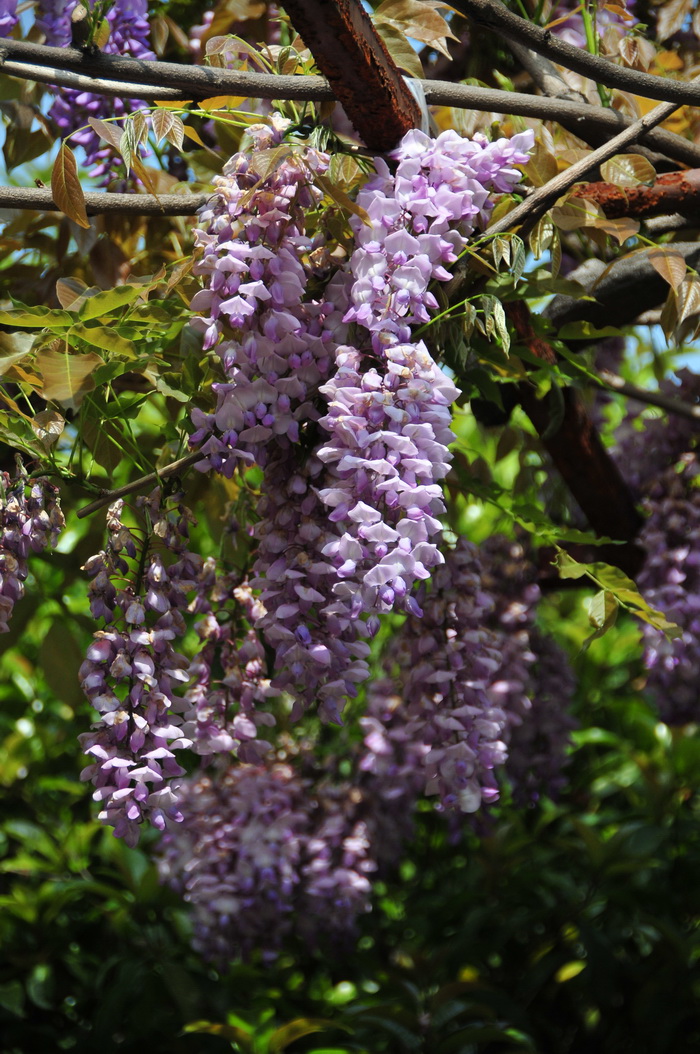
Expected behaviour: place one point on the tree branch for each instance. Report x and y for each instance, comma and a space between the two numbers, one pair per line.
101, 203
349, 51
170, 82
536, 204
611, 382
629, 286
672, 192
174, 469
578, 453
493, 15
550, 81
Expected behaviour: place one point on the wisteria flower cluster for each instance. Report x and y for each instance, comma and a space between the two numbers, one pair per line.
375, 458
669, 579
264, 853
129, 35
30, 521
282, 848
389, 403
132, 674
483, 692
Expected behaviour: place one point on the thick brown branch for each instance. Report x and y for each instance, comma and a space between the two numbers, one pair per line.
672, 192
495, 16
167, 81
365, 79
631, 285
577, 451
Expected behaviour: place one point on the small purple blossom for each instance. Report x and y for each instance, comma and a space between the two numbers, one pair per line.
30, 521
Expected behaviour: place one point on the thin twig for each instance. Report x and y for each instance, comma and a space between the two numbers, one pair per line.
174, 469
612, 382
495, 16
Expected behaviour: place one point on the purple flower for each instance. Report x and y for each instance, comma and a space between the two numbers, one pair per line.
30, 521
129, 35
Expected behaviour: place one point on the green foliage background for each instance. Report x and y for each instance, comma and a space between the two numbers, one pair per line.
568, 927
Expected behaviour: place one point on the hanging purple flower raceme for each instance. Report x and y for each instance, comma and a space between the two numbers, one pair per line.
132, 674
659, 462
445, 664
320, 653
477, 693
129, 36
670, 581
30, 521
645, 447
264, 854
257, 261
389, 403
227, 711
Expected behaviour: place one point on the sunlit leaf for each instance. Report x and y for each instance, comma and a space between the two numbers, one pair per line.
103, 303
669, 263
67, 377
401, 51
103, 337
627, 170
66, 190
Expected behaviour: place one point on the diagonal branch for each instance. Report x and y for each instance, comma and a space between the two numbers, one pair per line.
495, 16
541, 200
350, 52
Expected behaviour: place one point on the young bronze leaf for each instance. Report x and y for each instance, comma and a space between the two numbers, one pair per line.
47, 426
66, 190
628, 170
111, 133
669, 264
176, 133
162, 121
67, 378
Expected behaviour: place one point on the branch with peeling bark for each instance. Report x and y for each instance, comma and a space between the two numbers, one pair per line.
672, 192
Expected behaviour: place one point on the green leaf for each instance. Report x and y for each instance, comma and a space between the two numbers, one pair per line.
622, 588
302, 1026
105, 302
569, 970
602, 615
104, 338
602, 610
582, 330
36, 317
